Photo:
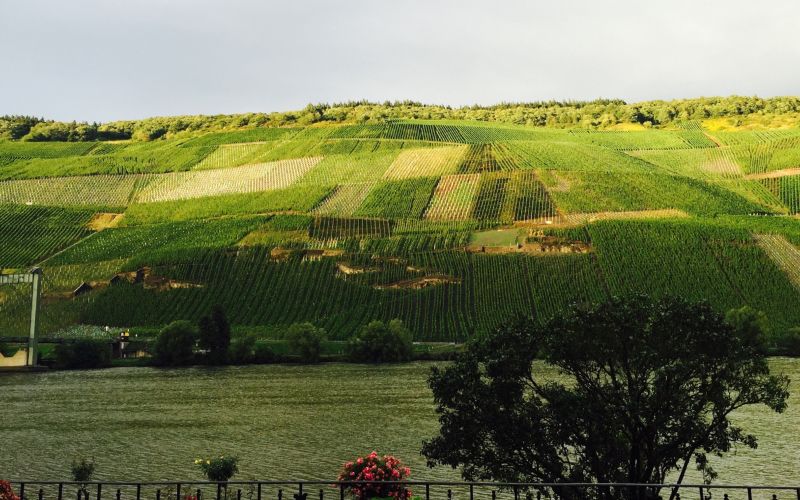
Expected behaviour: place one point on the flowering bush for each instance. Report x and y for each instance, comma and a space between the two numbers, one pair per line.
6, 493
218, 469
376, 469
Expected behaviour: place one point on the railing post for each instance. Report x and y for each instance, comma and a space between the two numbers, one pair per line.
178, 492
119, 493
198, 494
258, 491
158, 494
798, 493
99, 490
300, 495
219, 491
702, 496
41, 493
749, 493
427, 491
138, 491
280, 494
22, 491
60, 491
321, 494
341, 491
494, 495
471, 492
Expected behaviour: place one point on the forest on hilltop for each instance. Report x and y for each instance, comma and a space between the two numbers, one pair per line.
735, 111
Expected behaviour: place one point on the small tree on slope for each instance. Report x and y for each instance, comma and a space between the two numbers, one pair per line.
647, 388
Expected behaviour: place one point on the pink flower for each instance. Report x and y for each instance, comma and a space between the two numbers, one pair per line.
360, 461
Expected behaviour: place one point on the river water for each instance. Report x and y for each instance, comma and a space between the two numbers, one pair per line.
283, 422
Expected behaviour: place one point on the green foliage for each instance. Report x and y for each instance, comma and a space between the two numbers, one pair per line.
82, 470
400, 199
30, 234
305, 341
175, 343
83, 354
380, 342
300, 198
218, 469
215, 335
635, 406
244, 350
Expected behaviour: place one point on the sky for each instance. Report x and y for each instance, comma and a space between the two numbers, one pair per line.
102, 60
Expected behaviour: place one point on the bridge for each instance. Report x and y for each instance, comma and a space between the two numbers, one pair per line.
34, 277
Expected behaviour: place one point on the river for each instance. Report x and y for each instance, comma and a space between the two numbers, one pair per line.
283, 422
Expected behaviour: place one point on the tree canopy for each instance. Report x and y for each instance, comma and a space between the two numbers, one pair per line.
647, 387
600, 113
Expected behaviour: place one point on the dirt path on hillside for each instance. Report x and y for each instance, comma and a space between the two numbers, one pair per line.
775, 174
713, 139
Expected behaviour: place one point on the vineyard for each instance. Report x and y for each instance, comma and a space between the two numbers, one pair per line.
451, 226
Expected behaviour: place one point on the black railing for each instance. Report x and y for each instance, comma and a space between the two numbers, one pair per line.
333, 490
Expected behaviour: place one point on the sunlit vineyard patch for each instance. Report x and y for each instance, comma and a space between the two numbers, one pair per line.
572, 157
432, 162
787, 189
247, 179
783, 253
234, 155
701, 163
645, 139
95, 190
453, 198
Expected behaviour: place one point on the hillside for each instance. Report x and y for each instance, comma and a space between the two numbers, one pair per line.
450, 225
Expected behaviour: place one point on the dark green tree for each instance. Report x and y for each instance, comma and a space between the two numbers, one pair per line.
305, 341
379, 342
215, 335
175, 344
83, 354
646, 388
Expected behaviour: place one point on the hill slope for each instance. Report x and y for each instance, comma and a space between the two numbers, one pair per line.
451, 226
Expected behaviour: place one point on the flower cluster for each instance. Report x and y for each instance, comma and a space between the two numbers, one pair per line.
379, 474
6, 493
218, 469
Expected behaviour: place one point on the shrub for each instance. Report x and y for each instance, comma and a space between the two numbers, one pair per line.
789, 342
263, 354
380, 342
175, 344
219, 469
6, 493
83, 354
82, 470
243, 350
305, 340
373, 468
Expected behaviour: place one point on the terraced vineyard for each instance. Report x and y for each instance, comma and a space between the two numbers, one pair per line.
450, 226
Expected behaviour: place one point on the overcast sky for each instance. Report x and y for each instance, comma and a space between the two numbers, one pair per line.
120, 59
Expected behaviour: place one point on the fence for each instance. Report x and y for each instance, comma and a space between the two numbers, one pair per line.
427, 490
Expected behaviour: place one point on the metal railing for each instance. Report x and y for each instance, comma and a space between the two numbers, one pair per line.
427, 490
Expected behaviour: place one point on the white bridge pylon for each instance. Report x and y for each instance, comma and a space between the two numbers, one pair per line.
34, 277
